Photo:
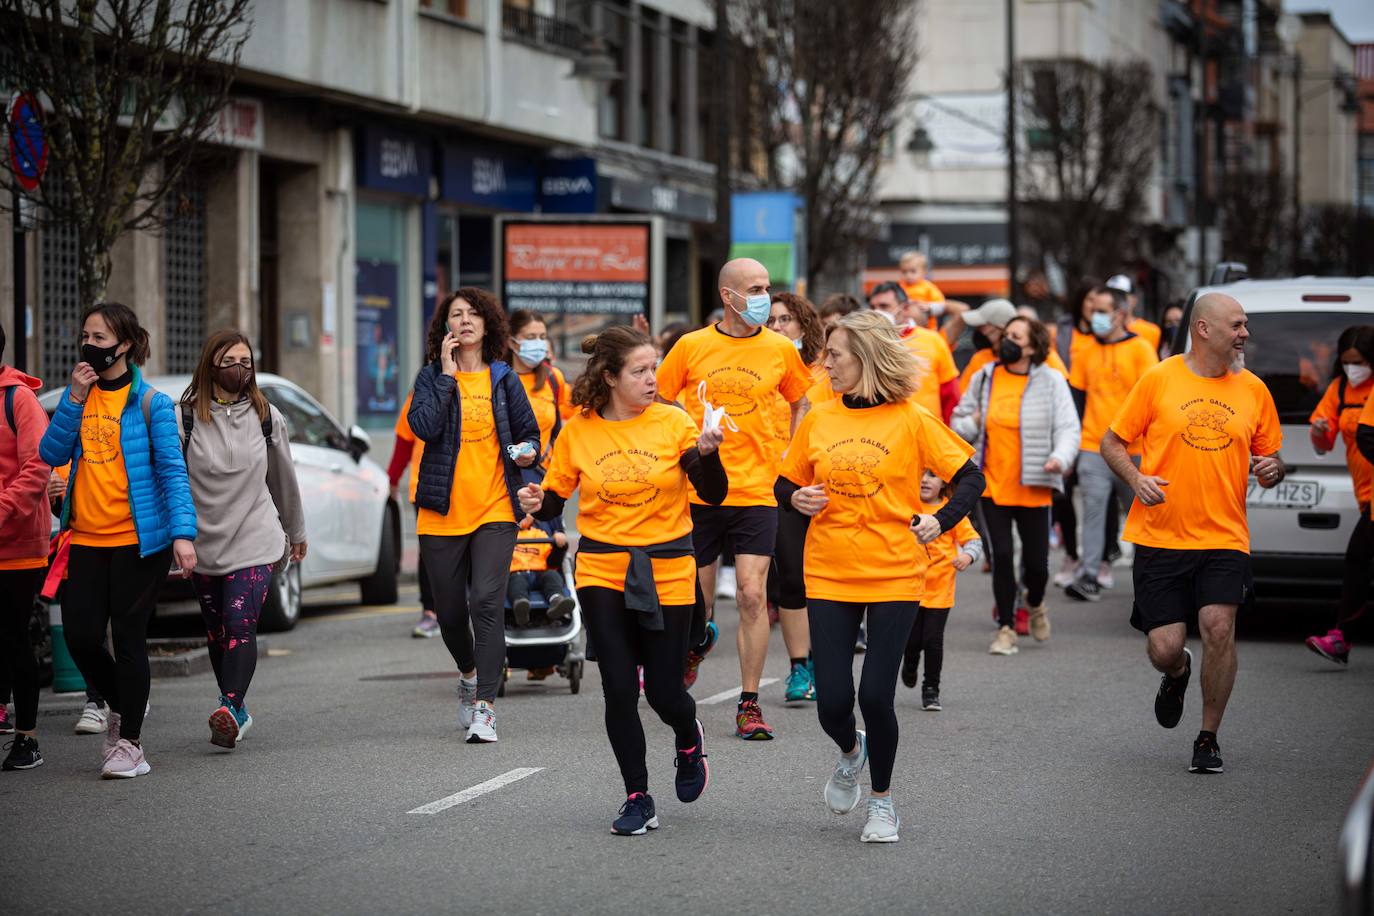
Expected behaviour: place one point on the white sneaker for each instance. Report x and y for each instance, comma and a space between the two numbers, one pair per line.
842, 788
1068, 572
483, 728
467, 699
111, 735
94, 719
125, 762
1005, 643
1105, 577
882, 823
725, 582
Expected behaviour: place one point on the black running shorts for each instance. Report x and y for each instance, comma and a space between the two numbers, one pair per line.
748, 529
1171, 585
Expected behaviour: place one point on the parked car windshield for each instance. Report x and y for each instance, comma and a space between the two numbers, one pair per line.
307, 423
1294, 353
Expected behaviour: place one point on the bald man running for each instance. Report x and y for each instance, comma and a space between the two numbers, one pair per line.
740, 366
1207, 425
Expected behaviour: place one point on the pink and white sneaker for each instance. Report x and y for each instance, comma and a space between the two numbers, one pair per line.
125, 762
1331, 646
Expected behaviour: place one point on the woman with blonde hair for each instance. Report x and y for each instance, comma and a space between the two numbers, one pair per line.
850, 469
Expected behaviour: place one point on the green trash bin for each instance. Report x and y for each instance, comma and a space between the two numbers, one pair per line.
65, 677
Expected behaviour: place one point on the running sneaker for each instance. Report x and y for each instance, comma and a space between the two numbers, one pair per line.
244, 719
749, 724
94, 719
910, 671
882, 823
1022, 622
1084, 588
861, 641
1169, 699
1105, 577
428, 627
6, 721
800, 685
1005, 643
693, 773
483, 728
560, 607
126, 761
637, 816
725, 583
1206, 755
697, 654
467, 699
1040, 623
930, 699
1068, 571
842, 788
224, 726
1332, 646
23, 754
111, 733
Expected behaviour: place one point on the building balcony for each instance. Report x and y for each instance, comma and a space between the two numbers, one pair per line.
525, 25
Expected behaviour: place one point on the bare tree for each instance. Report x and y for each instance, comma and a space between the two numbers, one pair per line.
1089, 147
826, 83
130, 89
1254, 219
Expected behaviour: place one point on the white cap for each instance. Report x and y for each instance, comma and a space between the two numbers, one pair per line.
1121, 282
996, 312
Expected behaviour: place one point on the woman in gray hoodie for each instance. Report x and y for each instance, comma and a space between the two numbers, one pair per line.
238, 456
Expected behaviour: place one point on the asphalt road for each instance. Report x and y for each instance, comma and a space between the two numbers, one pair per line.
1044, 786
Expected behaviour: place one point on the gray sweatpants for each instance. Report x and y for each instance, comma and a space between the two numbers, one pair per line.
1096, 485
468, 573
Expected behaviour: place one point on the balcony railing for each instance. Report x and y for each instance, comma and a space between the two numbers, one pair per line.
545, 31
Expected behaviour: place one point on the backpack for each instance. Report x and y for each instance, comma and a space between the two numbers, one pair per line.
188, 422
9, 409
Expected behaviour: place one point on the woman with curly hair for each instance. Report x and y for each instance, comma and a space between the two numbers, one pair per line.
470, 410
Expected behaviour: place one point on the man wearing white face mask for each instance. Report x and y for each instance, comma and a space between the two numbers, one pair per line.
938, 390
743, 366
1105, 369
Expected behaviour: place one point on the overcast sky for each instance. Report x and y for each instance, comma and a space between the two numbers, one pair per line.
1353, 17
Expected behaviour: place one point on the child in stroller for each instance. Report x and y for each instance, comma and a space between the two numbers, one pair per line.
535, 567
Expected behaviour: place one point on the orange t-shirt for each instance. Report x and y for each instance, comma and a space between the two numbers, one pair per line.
1346, 417
1146, 329
940, 571
782, 411
1199, 435
923, 291
1002, 444
930, 348
417, 449
860, 546
531, 557
479, 494
984, 356
743, 375
100, 515
633, 491
546, 412
1107, 372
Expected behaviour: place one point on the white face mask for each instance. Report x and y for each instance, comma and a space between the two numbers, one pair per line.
936, 308
1356, 373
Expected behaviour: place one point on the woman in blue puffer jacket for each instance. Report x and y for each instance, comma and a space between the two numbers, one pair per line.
129, 509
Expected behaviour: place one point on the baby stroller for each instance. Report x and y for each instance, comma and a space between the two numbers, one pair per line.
561, 644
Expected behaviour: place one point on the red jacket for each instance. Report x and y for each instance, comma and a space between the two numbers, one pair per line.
25, 519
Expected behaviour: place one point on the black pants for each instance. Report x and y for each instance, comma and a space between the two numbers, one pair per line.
17, 590
422, 577
1355, 587
834, 626
621, 645
115, 587
1033, 524
231, 606
1067, 516
550, 583
468, 574
928, 636
786, 584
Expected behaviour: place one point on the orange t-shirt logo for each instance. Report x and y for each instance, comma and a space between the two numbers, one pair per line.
626, 479
732, 387
477, 420
854, 468
1206, 429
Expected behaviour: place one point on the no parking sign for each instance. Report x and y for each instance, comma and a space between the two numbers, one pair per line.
28, 144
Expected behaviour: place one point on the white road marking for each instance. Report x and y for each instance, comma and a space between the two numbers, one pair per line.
482, 788
732, 693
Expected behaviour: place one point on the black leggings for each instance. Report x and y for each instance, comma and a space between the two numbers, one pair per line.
422, 577
231, 606
1067, 516
1033, 524
834, 626
621, 645
928, 636
17, 590
786, 585
114, 586
1355, 587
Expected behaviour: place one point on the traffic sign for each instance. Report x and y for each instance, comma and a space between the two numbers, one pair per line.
28, 142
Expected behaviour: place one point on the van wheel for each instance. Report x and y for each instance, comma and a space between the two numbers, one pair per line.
282, 609
380, 587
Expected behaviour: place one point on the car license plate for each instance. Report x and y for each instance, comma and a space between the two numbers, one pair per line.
1287, 494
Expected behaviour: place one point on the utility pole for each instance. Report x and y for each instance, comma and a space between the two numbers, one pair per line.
1296, 239
19, 344
1013, 220
1200, 140
724, 123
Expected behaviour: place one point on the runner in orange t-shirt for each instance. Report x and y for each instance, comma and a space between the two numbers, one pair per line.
1343, 409
1208, 424
938, 389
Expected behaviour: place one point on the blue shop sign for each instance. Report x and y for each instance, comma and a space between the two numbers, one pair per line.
764, 216
568, 186
390, 160
487, 178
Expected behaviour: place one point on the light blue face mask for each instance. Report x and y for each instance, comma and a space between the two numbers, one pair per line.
757, 308
1101, 324
533, 352
797, 343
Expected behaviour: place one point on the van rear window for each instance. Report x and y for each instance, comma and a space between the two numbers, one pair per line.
1295, 353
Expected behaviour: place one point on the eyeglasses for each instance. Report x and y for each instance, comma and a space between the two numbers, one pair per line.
781, 319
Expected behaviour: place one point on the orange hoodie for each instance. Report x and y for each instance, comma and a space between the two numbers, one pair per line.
25, 520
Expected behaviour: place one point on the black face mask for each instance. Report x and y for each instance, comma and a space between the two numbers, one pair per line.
233, 379
100, 358
1009, 352
980, 340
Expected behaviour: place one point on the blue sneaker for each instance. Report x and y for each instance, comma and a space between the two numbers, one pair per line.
801, 685
637, 816
697, 654
693, 772
244, 719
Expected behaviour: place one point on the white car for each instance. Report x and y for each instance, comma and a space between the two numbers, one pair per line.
1300, 528
352, 524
